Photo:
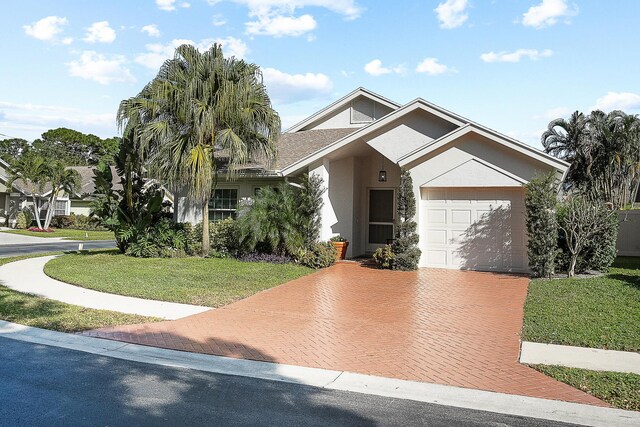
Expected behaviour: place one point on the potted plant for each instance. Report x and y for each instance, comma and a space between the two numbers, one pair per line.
341, 244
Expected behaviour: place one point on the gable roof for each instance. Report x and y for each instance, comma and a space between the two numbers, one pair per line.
340, 103
464, 126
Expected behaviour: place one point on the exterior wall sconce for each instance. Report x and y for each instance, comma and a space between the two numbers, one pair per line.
382, 176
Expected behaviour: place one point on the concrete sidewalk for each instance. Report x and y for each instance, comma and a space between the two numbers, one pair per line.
28, 276
533, 353
333, 380
19, 239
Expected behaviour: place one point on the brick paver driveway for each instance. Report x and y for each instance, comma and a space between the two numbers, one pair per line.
441, 326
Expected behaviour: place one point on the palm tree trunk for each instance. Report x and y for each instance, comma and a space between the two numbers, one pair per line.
36, 210
205, 228
50, 210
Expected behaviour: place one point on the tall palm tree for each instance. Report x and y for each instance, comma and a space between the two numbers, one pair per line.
33, 171
62, 180
202, 115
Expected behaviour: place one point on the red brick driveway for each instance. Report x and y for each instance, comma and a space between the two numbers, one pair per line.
440, 326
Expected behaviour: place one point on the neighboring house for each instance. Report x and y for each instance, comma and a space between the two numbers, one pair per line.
79, 203
467, 180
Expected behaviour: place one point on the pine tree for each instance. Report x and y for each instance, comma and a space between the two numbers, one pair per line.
405, 244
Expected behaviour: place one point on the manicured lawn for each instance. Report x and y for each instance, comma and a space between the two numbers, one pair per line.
619, 390
602, 312
68, 234
211, 282
44, 313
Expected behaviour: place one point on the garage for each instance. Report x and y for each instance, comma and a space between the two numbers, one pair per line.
473, 228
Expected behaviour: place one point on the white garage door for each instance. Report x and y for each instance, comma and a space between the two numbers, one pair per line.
473, 228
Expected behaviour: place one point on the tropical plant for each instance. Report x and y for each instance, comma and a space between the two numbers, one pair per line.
62, 180
201, 115
33, 172
542, 227
604, 152
405, 243
580, 223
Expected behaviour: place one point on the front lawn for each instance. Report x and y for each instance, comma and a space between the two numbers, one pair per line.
211, 282
67, 233
45, 313
601, 312
619, 390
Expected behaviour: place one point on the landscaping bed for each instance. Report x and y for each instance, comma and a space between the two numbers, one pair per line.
618, 389
67, 233
600, 312
211, 282
45, 313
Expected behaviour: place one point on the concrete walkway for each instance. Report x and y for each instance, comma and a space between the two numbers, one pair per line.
19, 239
28, 276
580, 357
333, 380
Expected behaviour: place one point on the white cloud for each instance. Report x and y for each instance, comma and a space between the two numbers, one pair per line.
218, 20
100, 32
625, 101
48, 29
452, 13
278, 18
151, 30
548, 13
554, 113
29, 121
185, 5
97, 67
515, 56
279, 26
284, 87
432, 67
167, 5
375, 68
157, 53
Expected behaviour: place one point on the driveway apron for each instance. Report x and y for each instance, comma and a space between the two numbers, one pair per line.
458, 328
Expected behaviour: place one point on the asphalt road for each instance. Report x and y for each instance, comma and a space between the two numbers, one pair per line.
49, 386
32, 248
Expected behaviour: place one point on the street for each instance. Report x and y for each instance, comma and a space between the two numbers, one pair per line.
32, 248
44, 385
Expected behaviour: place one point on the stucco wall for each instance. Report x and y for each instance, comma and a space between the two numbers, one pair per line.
628, 243
342, 117
80, 207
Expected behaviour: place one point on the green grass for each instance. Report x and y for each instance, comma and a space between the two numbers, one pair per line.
601, 312
619, 390
44, 313
67, 234
211, 282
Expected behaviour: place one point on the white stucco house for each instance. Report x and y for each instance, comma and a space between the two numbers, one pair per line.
467, 180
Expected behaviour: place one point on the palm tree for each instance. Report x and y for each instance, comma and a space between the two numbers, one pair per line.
202, 114
33, 170
62, 179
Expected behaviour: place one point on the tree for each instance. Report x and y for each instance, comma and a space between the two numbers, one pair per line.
201, 115
11, 149
32, 169
542, 227
604, 152
61, 179
405, 243
580, 222
76, 148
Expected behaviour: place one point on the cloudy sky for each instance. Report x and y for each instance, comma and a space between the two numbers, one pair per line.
512, 65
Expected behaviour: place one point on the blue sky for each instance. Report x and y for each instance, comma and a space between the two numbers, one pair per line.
512, 65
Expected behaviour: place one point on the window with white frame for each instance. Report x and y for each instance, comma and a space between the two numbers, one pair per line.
223, 204
60, 207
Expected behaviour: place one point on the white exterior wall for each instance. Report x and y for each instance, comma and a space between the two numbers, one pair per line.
341, 192
628, 243
80, 207
322, 169
342, 118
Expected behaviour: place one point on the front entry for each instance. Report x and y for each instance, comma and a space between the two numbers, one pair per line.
381, 217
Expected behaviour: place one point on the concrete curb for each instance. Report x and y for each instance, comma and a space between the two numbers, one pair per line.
332, 380
580, 357
28, 276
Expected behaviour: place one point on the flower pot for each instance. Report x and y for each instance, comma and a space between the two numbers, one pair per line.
341, 247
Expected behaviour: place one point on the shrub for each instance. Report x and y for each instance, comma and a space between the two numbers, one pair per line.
21, 221
542, 227
41, 230
165, 240
224, 237
317, 255
405, 243
384, 257
583, 224
63, 221
262, 257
